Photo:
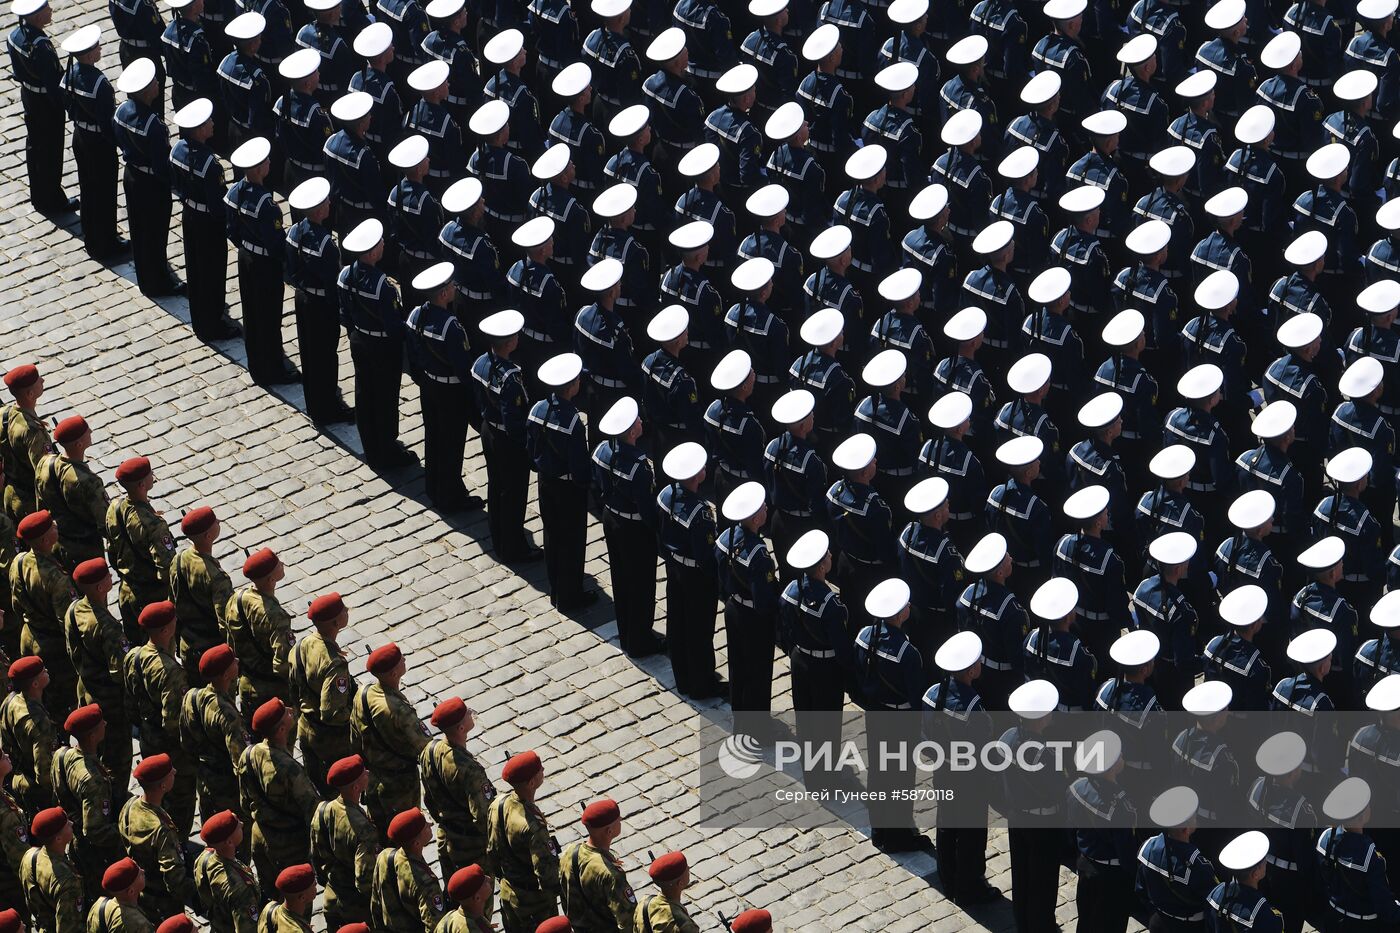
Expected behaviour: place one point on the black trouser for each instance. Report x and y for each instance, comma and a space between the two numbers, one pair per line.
444, 406
856, 578
507, 488
378, 363
751, 637
1160, 923
260, 291
962, 860
632, 570
206, 268
596, 402
564, 515
128, 53
1104, 897
691, 596
927, 629
818, 698
318, 336
784, 529
43, 150
1035, 875
888, 814
148, 215
96, 158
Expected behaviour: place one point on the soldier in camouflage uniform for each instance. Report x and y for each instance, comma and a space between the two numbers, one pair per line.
664, 912
27, 733
276, 793
260, 633
226, 885
156, 842
66, 487
139, 544
297, 885
23, 439
116, 910
14, 837
322, 690
456, 789
522, 848
470, 888
200, 590
10, 624
155, 689
386, 732
84, 788
593, 885
406, 896
344, 845
97, 647
50, 883
213, 734
42, 590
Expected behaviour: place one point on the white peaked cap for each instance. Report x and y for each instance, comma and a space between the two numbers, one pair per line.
500, 325
1349, 799
366, 235
1138, 49
897, 77
429, 76
462, 195
551, 162
821, 42
731, 371
310, 193
488, 119
929, 202
1281, 50
684, 461
300, 64
1299, 330
987, 554
888, 599
737, 80
81, 39
866, 162
503, 46
807, 551
1376, 9
854, 453
1019, 163
1148, 238
961, 128
561, 370
410, 152
373, 40
751, 275
668, 323
245, 26
354, 106
618, 419
744, 502
768, 201
1388, 215
601, 276
1064, 9
959, 652
993, 238
968, 50
1081, 200
1306, 248
1135, 648
1054, 599
196, 113
572, 80
629, 121
252, 153
904, 12
1329, 161
1174, 547
1254, 124
692, 236
884, 369
669, 43
615, 201
1227, 203
784, 122
1225, 14
1197, 85
1217, 290
1173, 161
1105, 122
1041, 87
1355, 85
901, 285
1385, 613
1379, 297
831, 242
1384, 695
1029, 373
137, 76
951, 410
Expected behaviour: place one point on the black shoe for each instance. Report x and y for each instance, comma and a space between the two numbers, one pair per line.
716, 689
119, 249
986, 894
466, 503
341, 414
400, 456
225, 329
69, 206
646, 646
286, 375
582, 601
894, 841
528, 555
172, 289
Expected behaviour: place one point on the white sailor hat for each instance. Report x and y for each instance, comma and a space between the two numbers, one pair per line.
961, 128
1385, 612
438, 275
888, 599
1020, 163
1101, 410
1174, 547
1300, 330
1081, 200
821, 42
1086, 503
1104, 123
764, 8
500, 325
1361, 378
691, 236
831, 242
1251, 509
1138, 49
1348, 800
968, 50
744, 502
1098, 753
137, 76
252, 153
684, 461
1244, 605
1375, 9
1175, 807
866, 162
462, 195
1245, 851
904, 12
1350, 465
1224, 15
1312, 646
489, 118
607, 9
561, 370
993, 238
699, 160
1281, 50
1227, 203
374, 40
737, 80
1197, 85
669, 43
1172, 462
987, 554
785, 122
768, 201
901, 285
1063, 9
1135, 648
1380, 297
615, 201
366, 236
1209, 698
1034, 699
1306, 248
824, 326
1329, 161
1148, 238
81, 39
1029, 373
352, 107
551, 162
966, 324
1254, 124
668, 323
503, 46
1020, 451
1274, 420
443, 9
196, 113
807, 551
410, 152
958, 653
1388, 215
926, 495
1124, 327
428, 76
629, 121
310, 193
1323, 554
793, 406
601, 276
1384, 695
1173, 160
22, 8
752, 275
854, 453
534, 232
929, 202
731, 371
572, 80
951, 410
245, 26
620, 418
884, 369
1050, 285
1041, 87
1281, 753
1217, 290
1355, 85
900, 77
302, 63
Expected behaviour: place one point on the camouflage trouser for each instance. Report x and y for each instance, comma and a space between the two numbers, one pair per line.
254, 692
388, 795
343, 907
523, 911
115, 750
179, 803
61, 695
18, 502
91, 862
31, 795
70, 554
131, 599
456, 853
321, 747
218, 791
277, 848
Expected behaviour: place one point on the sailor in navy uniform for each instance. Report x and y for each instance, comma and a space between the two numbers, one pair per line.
861, 209
1096, 567
703, 202
1159, 605
602, 339
462, 242
1202, 757
1062, 51
960, 171
91, 102
859, 33
1373, 50
767, 207
1095, 461
1036, 847
554, 437
506, 51
338, 60
197, 178
1311, 653
1124, 374
1352, 870
1319, 605
1162, 20
1238, 903
1173, 166
812, 632
1015, 510
893, 126
1382, 260
139, 26
1079, 248
507, 174
1046, 330
1144, 285
738, 138
750, 325
709, 33
793, 471
1211, 338
947, 455
1294, 378
618, 70
447, 44
898, 431
819, 371
1321, 36
1247, 558
1351, 127
432, 119
775, 60
831, 109
1378, 657
1174, 877
734, 436
797, 170
1220, 251
1025, 415
685, 535
35, 66
311, 267
900, 329
1105, 847
1038, 128
967, 91
552, 28
677, 112
142, 137
1233, 657
188, 57
929, 249
375, 45
989, 609
1008, 50
1344, 513
572, 224
1197, 130
1271, 467
632, 127
1281, 802
571, 127
409, 26
1018, 206
991, 289
1298, 111
1296, 293
930, 562
748, 584
1378, 339
1326, 208
687, 285
1101, 167
860, 522
414, 218
302, 125
828, 286
962, 373
1225, 55
1135, 97
1131, 700
669, 395
499, 387
912, 43
616, 207
277, 41
1167, 508
535, 292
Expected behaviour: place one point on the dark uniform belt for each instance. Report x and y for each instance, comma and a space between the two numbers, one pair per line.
445, 380
533, 334
253, 248
607, 383
630, 516
369, 333
814, 652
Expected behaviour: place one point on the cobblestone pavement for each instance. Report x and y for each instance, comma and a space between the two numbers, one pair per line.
603, 723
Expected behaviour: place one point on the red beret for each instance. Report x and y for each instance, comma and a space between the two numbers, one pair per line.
26, 669
449, 712
22, 376
197, 521
555, 925
153, 769
180, 923
354, 928
465, 882
133, 470
295, 878
268, 716
9, 921
119, 876
521, 768
668, 867
47, 824
83, 719
70, 429
383, 659
91, 571
35, 525
157, 615
601, 813
216, 660
218, 827
259, 564
325, 608
406, 827
753, 920
346, 771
